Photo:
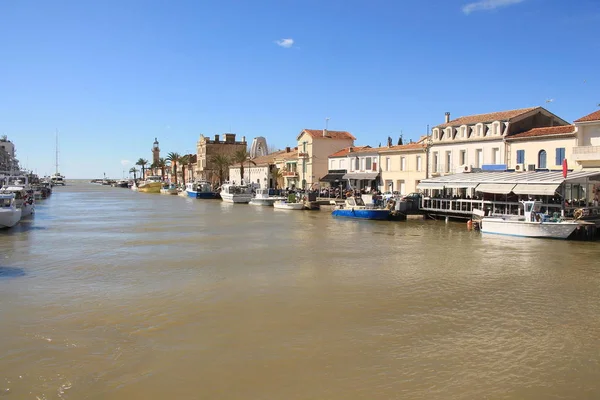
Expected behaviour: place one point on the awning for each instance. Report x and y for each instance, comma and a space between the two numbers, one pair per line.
496, 188
460, 185
431, 185
361, 175
332, 177
547, 189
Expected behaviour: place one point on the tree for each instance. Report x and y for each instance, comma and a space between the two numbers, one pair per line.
184, 161
133, 171
242, 156
162, 163
142, 163
174, 158
220, 162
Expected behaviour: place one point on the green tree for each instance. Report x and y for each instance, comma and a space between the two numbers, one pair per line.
174, 158
220, 163
184, 161
133, 171
142, 163
162, 164
241, 156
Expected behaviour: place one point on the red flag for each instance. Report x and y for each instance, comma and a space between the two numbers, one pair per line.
565, 168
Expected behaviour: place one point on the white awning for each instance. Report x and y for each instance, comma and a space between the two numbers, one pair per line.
431, 185
495, 188
460, 185
540, 189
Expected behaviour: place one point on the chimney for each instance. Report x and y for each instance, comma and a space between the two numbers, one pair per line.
350, 149
287, 149
243, 139
216, 138
447, 117
324, 132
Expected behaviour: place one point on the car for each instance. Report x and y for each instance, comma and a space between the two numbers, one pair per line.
411, 197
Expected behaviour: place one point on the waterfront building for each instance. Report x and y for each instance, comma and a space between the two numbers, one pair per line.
587, 150
314, 148
474, 141
287, 168
542, 148
402, 167
363, 168
338, 167
207, 148
8, 155
260, 171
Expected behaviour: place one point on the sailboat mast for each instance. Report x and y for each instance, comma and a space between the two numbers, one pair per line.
57, 152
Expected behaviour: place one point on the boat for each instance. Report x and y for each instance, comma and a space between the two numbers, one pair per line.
58, 179
232, 193
262, 198
290, 204
152, 184
354, 207
532, 224
24, 200
168, 189
10, 215
200, 190
122, 183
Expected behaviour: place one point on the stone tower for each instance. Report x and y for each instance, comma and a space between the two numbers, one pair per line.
155, 152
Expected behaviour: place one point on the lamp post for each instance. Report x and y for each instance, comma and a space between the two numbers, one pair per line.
428, 145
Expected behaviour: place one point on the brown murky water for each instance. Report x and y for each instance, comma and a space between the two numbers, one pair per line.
111, 294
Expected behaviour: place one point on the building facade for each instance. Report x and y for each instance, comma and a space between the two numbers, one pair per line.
475, 141
542, 148
314, 148
363, 168
287, 168
587, 150
402, 167
262, 171
8, 155
206, 149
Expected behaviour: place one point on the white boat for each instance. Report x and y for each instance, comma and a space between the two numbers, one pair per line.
10, 215
290, 204
231, 193
533, 224
168, 189
58, 179
262, 198
19, 186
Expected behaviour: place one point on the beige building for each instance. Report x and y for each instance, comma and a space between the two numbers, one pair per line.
286, 163
587, 150
260, 171
402, 167
314, 148
542, 148
206, 149
474, 141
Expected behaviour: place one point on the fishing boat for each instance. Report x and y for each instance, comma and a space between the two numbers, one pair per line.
10, 215
533, 224
152, 184
169, 189
354, 207
262, 198
232, 193
200, 190
290, 204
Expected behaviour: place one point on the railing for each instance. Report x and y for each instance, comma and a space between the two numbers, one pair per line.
586, 149
302, 154
464, 207
290, 173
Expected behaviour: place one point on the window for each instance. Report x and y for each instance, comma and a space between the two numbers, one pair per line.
374, 164
560, 155
542, 159
368, 161
496, 156
304, 147
332, 164
463, 157
419, 163
448, 161
520, 156
435, 162
387, 163
479, 158
356, 163
402, 163
342, 164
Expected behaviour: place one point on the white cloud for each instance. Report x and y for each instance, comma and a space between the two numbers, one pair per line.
483, 5
125, 163
287, 43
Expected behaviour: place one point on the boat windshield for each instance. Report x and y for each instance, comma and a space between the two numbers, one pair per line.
5, 202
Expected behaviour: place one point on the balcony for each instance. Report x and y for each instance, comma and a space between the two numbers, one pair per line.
586, 153
302, 155
290, 174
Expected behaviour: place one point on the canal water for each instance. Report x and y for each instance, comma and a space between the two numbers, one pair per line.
111, 294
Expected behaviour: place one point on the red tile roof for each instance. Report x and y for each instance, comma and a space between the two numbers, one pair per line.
268, 159
495, 116
292, 154
406, 147
595, 116
344, 152
542, 132
318, 133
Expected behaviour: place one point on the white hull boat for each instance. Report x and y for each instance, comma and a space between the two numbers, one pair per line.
262, 198
532, 225
284, 205
19, 186
169, 189
10, 215
231, 193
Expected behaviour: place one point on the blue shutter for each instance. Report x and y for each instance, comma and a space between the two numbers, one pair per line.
542, 159
560, 155
520, 156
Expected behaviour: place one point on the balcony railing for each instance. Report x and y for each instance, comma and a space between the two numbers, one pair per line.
290, 173
586, 149
302, 154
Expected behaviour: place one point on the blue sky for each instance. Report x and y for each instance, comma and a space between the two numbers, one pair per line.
112, 75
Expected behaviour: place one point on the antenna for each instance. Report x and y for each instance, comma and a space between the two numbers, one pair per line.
327, 123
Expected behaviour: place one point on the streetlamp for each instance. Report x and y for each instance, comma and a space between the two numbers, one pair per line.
428, 144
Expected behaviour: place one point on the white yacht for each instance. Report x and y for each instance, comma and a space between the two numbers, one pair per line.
232, 193
19, 186
10, 215
262, 198
58, 179
533, 224
291, 203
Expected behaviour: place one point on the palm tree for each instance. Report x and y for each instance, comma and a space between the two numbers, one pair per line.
142, 163
174, 158
184, 160
162, 163
220, 162
133, 171
278, 175
242, 156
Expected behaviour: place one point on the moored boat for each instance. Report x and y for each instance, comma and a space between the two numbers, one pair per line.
231, 193
200, 190
169, 189
262, 198
24, 200
10, 215
532, 224
291, 203
354, 207
152, 184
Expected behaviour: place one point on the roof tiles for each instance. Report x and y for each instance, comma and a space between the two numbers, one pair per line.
318, 133
595, 116
490, 117
541, 132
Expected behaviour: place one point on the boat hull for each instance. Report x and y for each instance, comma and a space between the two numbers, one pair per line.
543, 230
288, 206
153, 187
236, 198
9, 218
203, 195
379, 215
168, 191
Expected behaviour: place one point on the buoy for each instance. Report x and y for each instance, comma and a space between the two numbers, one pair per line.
470, 225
